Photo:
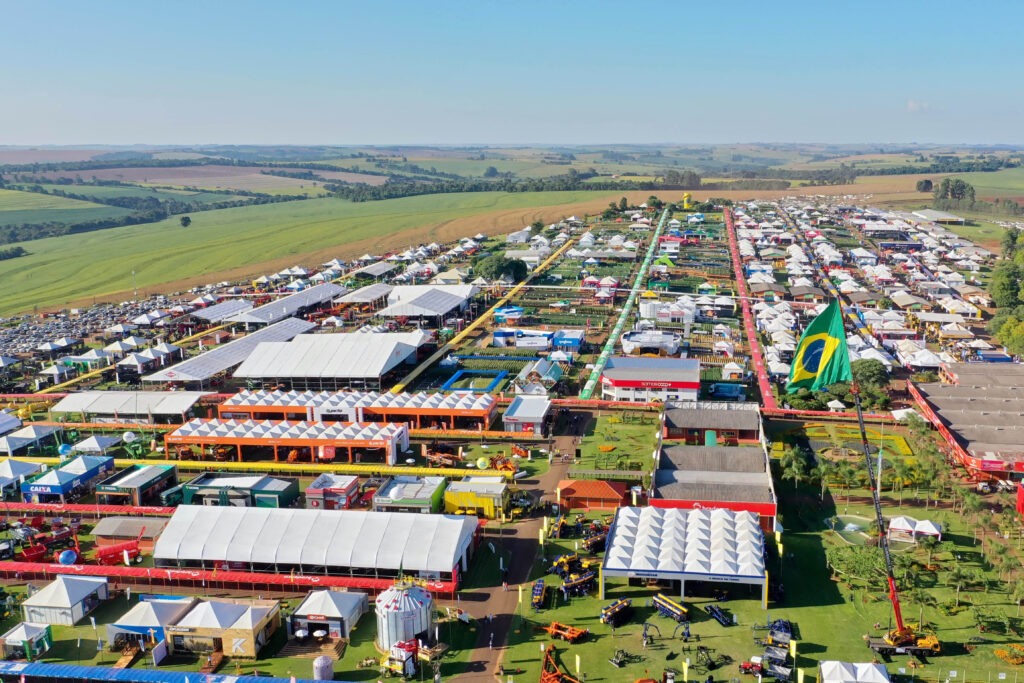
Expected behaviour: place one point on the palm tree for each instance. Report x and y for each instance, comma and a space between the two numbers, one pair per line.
822, 472
960, 576
923, 598
847, 476
795, 469
928, 543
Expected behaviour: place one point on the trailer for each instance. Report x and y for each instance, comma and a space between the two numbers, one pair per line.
923, 647
667, 607
569, 634
617, 612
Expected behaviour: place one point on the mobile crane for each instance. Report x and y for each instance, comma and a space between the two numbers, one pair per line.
903, 639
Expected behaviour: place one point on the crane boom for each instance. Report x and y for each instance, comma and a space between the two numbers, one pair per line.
883, 540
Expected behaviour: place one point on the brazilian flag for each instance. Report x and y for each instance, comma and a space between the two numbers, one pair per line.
821, 357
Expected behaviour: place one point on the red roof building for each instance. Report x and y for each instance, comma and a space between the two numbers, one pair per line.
591, 494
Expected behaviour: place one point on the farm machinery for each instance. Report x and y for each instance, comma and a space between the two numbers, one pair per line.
718, 614
442, 454
667, 607
551, 672
502, 463
617, 613
569, 634
537, 599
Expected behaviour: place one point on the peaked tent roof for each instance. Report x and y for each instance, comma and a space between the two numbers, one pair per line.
154, 613
65, 591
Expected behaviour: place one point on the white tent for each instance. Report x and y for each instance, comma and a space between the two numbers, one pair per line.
147, 619
831, 671
13, 472
66, 600
98, 443
679, 544
333, 611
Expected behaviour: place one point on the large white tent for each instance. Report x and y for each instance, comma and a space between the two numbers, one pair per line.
283, 308
14, 472
333, 542
680, 544
831, 671
349, 405
124, 404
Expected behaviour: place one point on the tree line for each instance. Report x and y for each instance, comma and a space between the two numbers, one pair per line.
12, 252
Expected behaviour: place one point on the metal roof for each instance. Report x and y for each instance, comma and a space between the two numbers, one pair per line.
427, 303
366, 295
221, 358
129, 402
285, 307
362, 399
656, 369
222, 311
722, 487
712, 458
334, 539
527, 409
356, 355
377, 269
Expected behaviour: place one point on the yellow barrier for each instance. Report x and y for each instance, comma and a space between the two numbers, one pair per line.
457, 339
263, 467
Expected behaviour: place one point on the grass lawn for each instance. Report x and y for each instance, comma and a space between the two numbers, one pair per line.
619, 440
18, 207
75, 267
982, 231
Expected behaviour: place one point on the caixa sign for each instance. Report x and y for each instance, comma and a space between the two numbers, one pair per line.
36, 488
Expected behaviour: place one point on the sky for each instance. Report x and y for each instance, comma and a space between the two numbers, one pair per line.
510, 72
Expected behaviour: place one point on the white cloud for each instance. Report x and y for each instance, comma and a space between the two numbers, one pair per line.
917, 106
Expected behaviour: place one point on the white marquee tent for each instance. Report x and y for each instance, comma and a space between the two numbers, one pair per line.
335, 542
679, 544
831, 671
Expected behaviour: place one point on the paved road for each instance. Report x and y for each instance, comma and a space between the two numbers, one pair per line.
523, 546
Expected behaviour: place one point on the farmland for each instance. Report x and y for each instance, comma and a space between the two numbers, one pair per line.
101, 192
1005, 183
28, 207
213, 177
236, 243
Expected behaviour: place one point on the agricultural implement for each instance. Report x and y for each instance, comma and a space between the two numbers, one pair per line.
577, 585
539, 593
718, 614
617, 612
565, 565
504, 464
621, 658
569, 634
550, 672
667, 607
595, 543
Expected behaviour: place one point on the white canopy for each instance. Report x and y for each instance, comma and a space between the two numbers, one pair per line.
708, 545
845, 672
65, 591
336, 539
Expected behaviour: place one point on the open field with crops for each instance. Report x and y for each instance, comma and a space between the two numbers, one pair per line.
241, 242
247, 178
29, 207
1008, 182
164, 195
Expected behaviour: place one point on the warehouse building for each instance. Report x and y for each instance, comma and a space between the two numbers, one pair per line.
978, 414
643, 380
708, 477
713, 423
429, 304
380, 545
240, 490
329, 362
410, 494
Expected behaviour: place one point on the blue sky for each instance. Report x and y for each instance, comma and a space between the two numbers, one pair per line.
485, 71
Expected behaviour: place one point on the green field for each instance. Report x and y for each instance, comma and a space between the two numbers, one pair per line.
75, 267
164, 195
1008, 182
18, 207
